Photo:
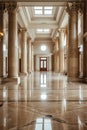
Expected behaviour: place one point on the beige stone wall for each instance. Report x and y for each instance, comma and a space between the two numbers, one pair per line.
38, 44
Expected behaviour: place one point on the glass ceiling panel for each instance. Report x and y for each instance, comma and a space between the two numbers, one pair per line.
43, 30
43, 10
47, 12
48, 7
38, 12
38, 7
39, 30
46, 30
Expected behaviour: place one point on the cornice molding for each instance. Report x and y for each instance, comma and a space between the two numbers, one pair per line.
43, 0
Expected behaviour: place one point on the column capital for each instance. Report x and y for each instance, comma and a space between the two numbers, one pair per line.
2, 7
74, 6
12, 6
62, 30
21, 30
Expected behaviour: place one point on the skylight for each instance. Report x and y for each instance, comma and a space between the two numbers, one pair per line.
43, 10
46, 30
47, 12
48, 7
38, 12
37, 7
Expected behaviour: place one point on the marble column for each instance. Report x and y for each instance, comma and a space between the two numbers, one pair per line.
19, 49
61, 52
29, 55
32, 55
57, 55
49, 59
54, 62
12, 42
73, 55
1, 39
24, 52
85, 41
35, 62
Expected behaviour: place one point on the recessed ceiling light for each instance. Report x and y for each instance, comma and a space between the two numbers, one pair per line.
43, 48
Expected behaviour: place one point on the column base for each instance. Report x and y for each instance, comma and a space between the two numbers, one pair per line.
11, 79
85, 80
29, 72
1, 78
74, 79
23, 74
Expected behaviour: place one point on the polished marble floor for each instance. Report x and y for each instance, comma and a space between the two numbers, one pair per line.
43, 101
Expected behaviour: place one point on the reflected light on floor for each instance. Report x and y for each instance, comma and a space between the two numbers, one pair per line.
80, 94
43, 124
43, 80
4, 93
43, 96
4, 121
64, 104
80, 123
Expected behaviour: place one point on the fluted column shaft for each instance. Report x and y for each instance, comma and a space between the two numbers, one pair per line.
12, 42
61, 52
73, 55
85, 40
29, 55
24, 52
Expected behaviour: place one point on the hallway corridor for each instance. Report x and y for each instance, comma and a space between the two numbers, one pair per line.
43, 101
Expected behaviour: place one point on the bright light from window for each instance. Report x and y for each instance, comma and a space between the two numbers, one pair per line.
38, 7
46, 30
38, 127
38, 12
48, 7
43, 96
39, 120
43, 30
39, 30
41, 10
43, 48
48, 12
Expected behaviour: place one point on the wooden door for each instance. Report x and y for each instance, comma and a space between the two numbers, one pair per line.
43, 63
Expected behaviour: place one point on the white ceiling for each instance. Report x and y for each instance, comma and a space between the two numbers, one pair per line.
28, 20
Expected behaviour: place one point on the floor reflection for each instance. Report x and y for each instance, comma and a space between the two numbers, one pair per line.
43, 80
43, 96
43, 101
43, 124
